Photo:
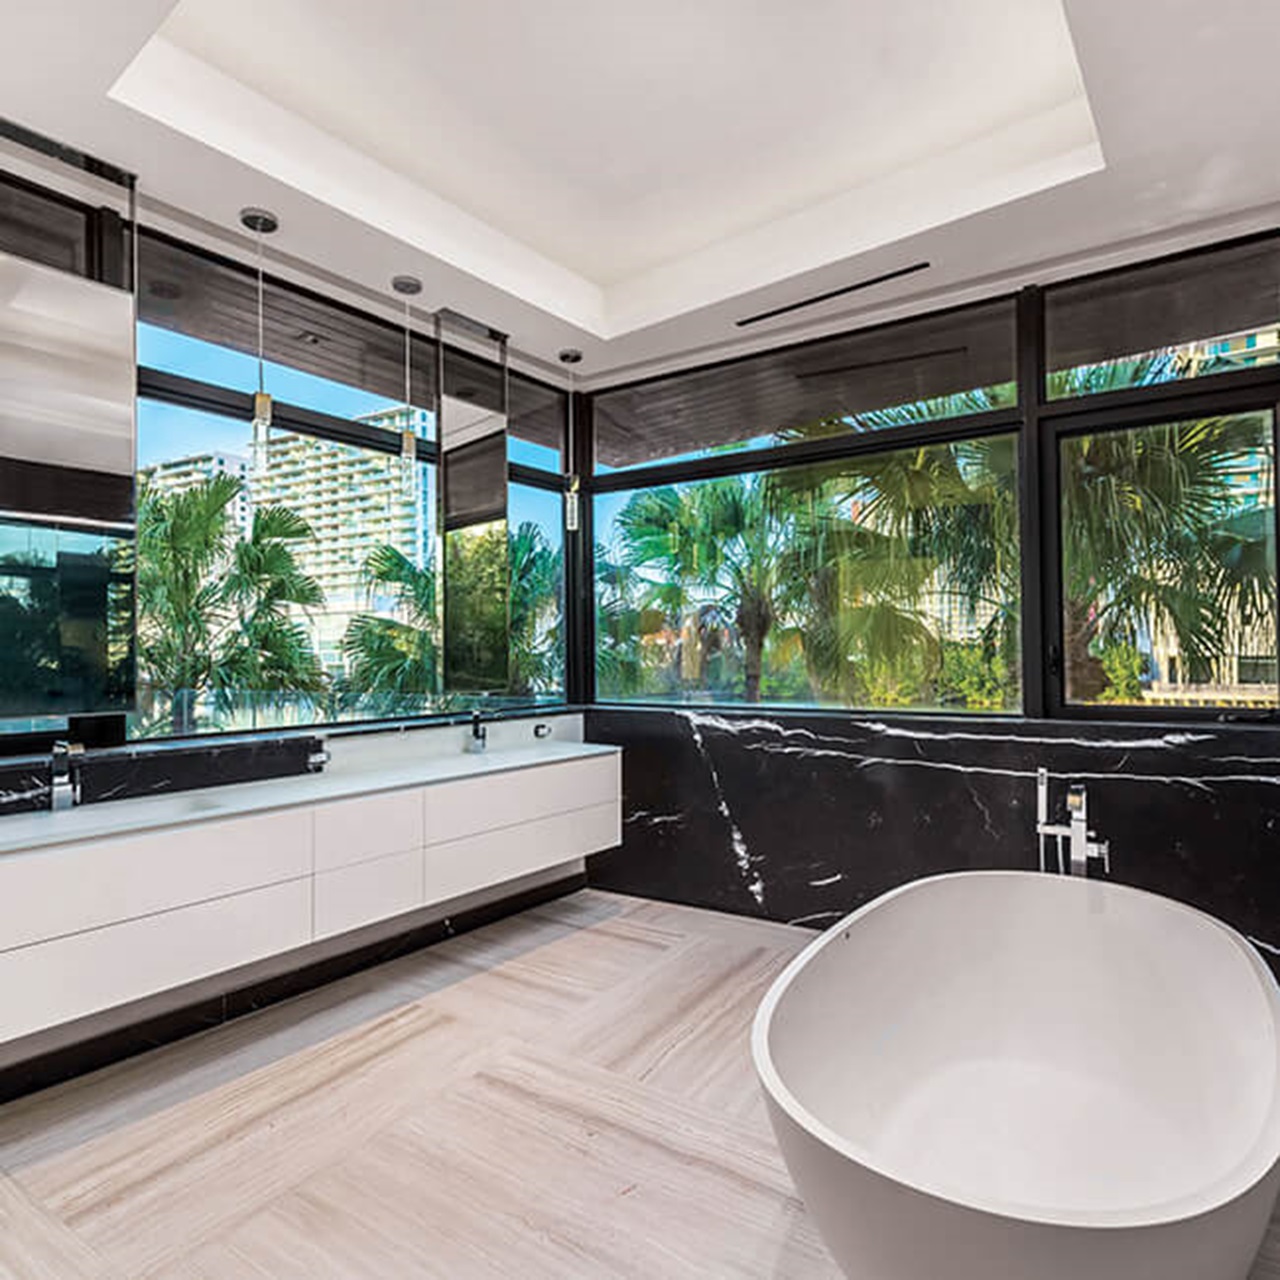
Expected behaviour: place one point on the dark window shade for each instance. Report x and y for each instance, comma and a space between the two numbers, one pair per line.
474, 379
538, 413
43, 230
217, 301
1163, 305
475, 483
41, 488
535, 412
784, 394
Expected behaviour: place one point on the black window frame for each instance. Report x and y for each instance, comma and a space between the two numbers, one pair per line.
1040, 425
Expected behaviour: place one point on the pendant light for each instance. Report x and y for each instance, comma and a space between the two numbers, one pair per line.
262, 222
408, 287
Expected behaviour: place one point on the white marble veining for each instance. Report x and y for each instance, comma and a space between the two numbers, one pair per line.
34, 791
818, 746
388, 767
742, 855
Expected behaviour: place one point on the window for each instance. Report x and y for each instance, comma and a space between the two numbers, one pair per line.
289, 575
943, 366
199, 319
535, 524
536, 425
283, 579
1169, 564
886, 580
1190, 317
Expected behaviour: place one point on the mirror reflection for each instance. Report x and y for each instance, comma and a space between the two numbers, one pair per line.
473, 515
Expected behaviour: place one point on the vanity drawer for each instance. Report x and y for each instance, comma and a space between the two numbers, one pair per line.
492, 857
351, 831
56, 981
45, 893
458, 809
369, 891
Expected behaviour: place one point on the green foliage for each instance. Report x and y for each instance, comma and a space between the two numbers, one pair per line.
1124, 668
819, 584
508, 609
215, 608
975, 678
393, 662
537, 632
1157, 538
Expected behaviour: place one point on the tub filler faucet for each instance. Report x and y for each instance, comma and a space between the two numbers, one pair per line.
1083, 848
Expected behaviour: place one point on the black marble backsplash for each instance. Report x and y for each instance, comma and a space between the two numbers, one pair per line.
127, 772
803, 818
24, 785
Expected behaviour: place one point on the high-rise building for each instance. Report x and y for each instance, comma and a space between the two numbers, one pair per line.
178, 475
355, 501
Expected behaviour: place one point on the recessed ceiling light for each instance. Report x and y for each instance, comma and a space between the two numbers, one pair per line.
261, 222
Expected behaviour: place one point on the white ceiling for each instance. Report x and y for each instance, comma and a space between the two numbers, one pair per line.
612, 137
631, 179
618, 164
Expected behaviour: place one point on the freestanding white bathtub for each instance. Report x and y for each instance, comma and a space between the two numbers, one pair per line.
1014, 1076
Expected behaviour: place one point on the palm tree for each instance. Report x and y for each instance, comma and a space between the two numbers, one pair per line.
396, 657
267, 650
1156, 540
721, 541
620, 623
215, 608
537, 651
399, 656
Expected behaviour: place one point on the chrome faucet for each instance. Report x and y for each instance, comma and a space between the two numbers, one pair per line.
479, 738
64, 784
1083, 848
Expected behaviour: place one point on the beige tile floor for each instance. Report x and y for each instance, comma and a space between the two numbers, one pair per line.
564, 1094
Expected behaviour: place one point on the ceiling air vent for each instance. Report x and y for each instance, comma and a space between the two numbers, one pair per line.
834, 293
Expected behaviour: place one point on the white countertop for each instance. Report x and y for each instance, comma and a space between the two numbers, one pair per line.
121, 817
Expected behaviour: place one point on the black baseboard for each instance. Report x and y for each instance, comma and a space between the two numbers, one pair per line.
51, 1057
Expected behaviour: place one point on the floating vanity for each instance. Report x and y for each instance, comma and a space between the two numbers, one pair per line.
104, 905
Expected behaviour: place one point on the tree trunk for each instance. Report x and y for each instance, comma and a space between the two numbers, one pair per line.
752, 662
1084, 679
755, 618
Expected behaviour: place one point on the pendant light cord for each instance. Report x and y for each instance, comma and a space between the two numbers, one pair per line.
408, 357
261, 329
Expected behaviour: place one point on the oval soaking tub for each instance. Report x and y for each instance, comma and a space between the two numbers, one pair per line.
1017, 1076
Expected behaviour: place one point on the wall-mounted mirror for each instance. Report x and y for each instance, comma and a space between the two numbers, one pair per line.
66, 492
473, 517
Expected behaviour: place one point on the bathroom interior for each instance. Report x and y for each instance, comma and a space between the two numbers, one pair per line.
606, 671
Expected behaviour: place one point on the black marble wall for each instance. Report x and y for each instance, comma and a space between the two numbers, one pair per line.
803, 818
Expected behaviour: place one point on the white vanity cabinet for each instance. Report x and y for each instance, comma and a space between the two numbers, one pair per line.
368, 859
477, 837
93, 921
